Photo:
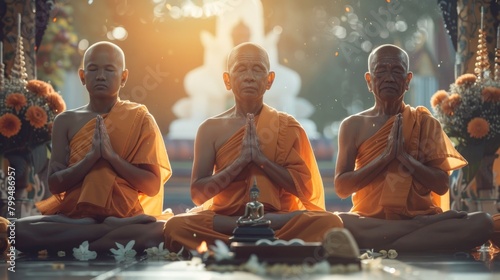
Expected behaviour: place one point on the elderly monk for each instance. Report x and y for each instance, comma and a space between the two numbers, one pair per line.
251, 140
395, 161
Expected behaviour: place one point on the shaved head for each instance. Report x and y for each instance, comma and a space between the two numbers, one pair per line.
246, 48
113, 49
388, 51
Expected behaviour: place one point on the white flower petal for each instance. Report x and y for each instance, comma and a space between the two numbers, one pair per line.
114, 251
120, 246
129, 245
130, 253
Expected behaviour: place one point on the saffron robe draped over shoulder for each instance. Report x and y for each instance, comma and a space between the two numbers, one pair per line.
135, 137
395, 193
283, 140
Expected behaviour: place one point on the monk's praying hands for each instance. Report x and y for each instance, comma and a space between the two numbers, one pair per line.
107, 151
395, 141
257, 155
95, 151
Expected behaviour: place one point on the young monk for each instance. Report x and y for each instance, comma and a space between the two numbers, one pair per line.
108, 157
252, 141
395, 161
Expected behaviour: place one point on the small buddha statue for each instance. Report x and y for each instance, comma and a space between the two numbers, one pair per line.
254, 211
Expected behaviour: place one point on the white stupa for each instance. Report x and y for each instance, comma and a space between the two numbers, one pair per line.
207, 95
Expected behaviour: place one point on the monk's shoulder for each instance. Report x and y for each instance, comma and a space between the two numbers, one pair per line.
353, 121
210, 123
71, 121
132, 106
425, 118
423, 112
214, 125
69, 116
288, 119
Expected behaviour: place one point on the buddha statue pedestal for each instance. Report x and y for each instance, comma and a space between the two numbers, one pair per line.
252, 226
252, 234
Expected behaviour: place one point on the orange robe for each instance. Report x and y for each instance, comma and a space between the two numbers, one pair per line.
284, 141
135, 136
395, 194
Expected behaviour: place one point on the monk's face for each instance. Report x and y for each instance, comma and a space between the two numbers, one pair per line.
389, 77
248, 72
103, 73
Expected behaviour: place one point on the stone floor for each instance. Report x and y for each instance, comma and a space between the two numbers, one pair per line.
442, 266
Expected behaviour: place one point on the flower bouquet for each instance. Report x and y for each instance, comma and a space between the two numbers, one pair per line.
470, 115
27, 108
27, 115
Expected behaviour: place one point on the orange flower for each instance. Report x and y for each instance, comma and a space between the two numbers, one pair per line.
39, 88
37, 116
491, 94
10, 125
478, 128
450, 104
465, 79
445, 107
16, 101
438, 97
454, 100
56, 103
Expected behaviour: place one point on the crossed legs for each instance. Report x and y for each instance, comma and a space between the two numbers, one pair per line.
55, 233
447, 231
450, 230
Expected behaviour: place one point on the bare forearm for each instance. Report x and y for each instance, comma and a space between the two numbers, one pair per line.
348, 183
205, 188
279, 175
434, 179
142, 180
66, 177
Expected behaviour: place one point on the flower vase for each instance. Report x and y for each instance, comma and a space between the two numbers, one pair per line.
481, 194
485, 193
486, 186
484, 175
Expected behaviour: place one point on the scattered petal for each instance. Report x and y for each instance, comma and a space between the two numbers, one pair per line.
61, 254
221, 251
392, 254
57, 266
253, 265
124, 252
82, 253
383, 253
